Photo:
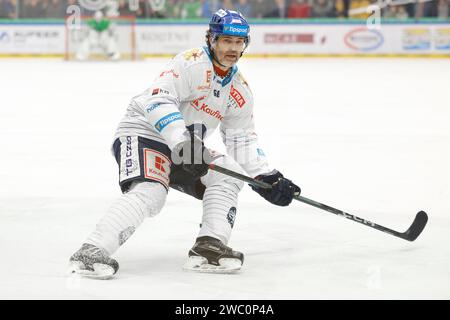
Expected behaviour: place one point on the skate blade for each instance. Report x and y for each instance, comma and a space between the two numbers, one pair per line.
101, 271
200, 264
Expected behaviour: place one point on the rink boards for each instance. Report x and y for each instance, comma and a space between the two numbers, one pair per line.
48, 39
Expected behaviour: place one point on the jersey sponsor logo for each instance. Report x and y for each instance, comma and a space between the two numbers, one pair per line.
237, 97
156, 166
213, 113
164, 122
172, 72
196, 103
208, 77
201, 106
158, 91
152, 107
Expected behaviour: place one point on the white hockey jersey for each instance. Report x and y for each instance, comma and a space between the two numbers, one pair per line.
188, 92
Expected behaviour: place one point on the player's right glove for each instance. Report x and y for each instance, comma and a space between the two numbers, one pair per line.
282, 192
192, 155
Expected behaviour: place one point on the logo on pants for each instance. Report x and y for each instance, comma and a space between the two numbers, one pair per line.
129, 158
157, 166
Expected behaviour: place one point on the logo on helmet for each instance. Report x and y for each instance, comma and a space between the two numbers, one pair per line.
235, 30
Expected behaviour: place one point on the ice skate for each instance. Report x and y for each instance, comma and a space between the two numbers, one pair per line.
212, 256
93, 262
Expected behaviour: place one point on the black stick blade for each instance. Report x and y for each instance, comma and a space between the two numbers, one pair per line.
417, 226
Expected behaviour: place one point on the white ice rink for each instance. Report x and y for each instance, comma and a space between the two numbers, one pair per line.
368, 136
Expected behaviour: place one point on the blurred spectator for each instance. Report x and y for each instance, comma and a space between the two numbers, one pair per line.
55, 9
191, 9
426, 9
157, 9
402, 14
259, 9
124, 8
322, 9
396, 12
228, 4
299, 9
209, 7
443, 8
359, 4
244, 7
278, 11
72, 2
8, 9
145, 9
172, 9
32, 9
410, 9
341, 8
390, 12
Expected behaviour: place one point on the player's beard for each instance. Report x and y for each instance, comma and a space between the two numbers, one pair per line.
230, 58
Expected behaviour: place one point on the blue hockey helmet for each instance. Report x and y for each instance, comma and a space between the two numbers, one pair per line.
229, 23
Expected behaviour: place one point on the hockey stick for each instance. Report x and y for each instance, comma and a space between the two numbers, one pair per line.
411, 234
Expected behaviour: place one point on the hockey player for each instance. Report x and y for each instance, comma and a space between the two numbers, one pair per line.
159, 145
100, 33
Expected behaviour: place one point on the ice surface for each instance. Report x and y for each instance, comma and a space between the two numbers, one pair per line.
368, 136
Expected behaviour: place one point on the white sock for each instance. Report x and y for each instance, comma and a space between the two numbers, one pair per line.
144, 199
219, 210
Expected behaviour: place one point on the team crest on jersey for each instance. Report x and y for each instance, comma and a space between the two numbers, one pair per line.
193, 54
236, 98
157, 166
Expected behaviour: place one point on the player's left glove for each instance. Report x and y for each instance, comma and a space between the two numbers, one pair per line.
194, 156
282, 192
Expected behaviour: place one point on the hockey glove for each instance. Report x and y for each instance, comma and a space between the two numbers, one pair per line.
192, 155
282, 191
